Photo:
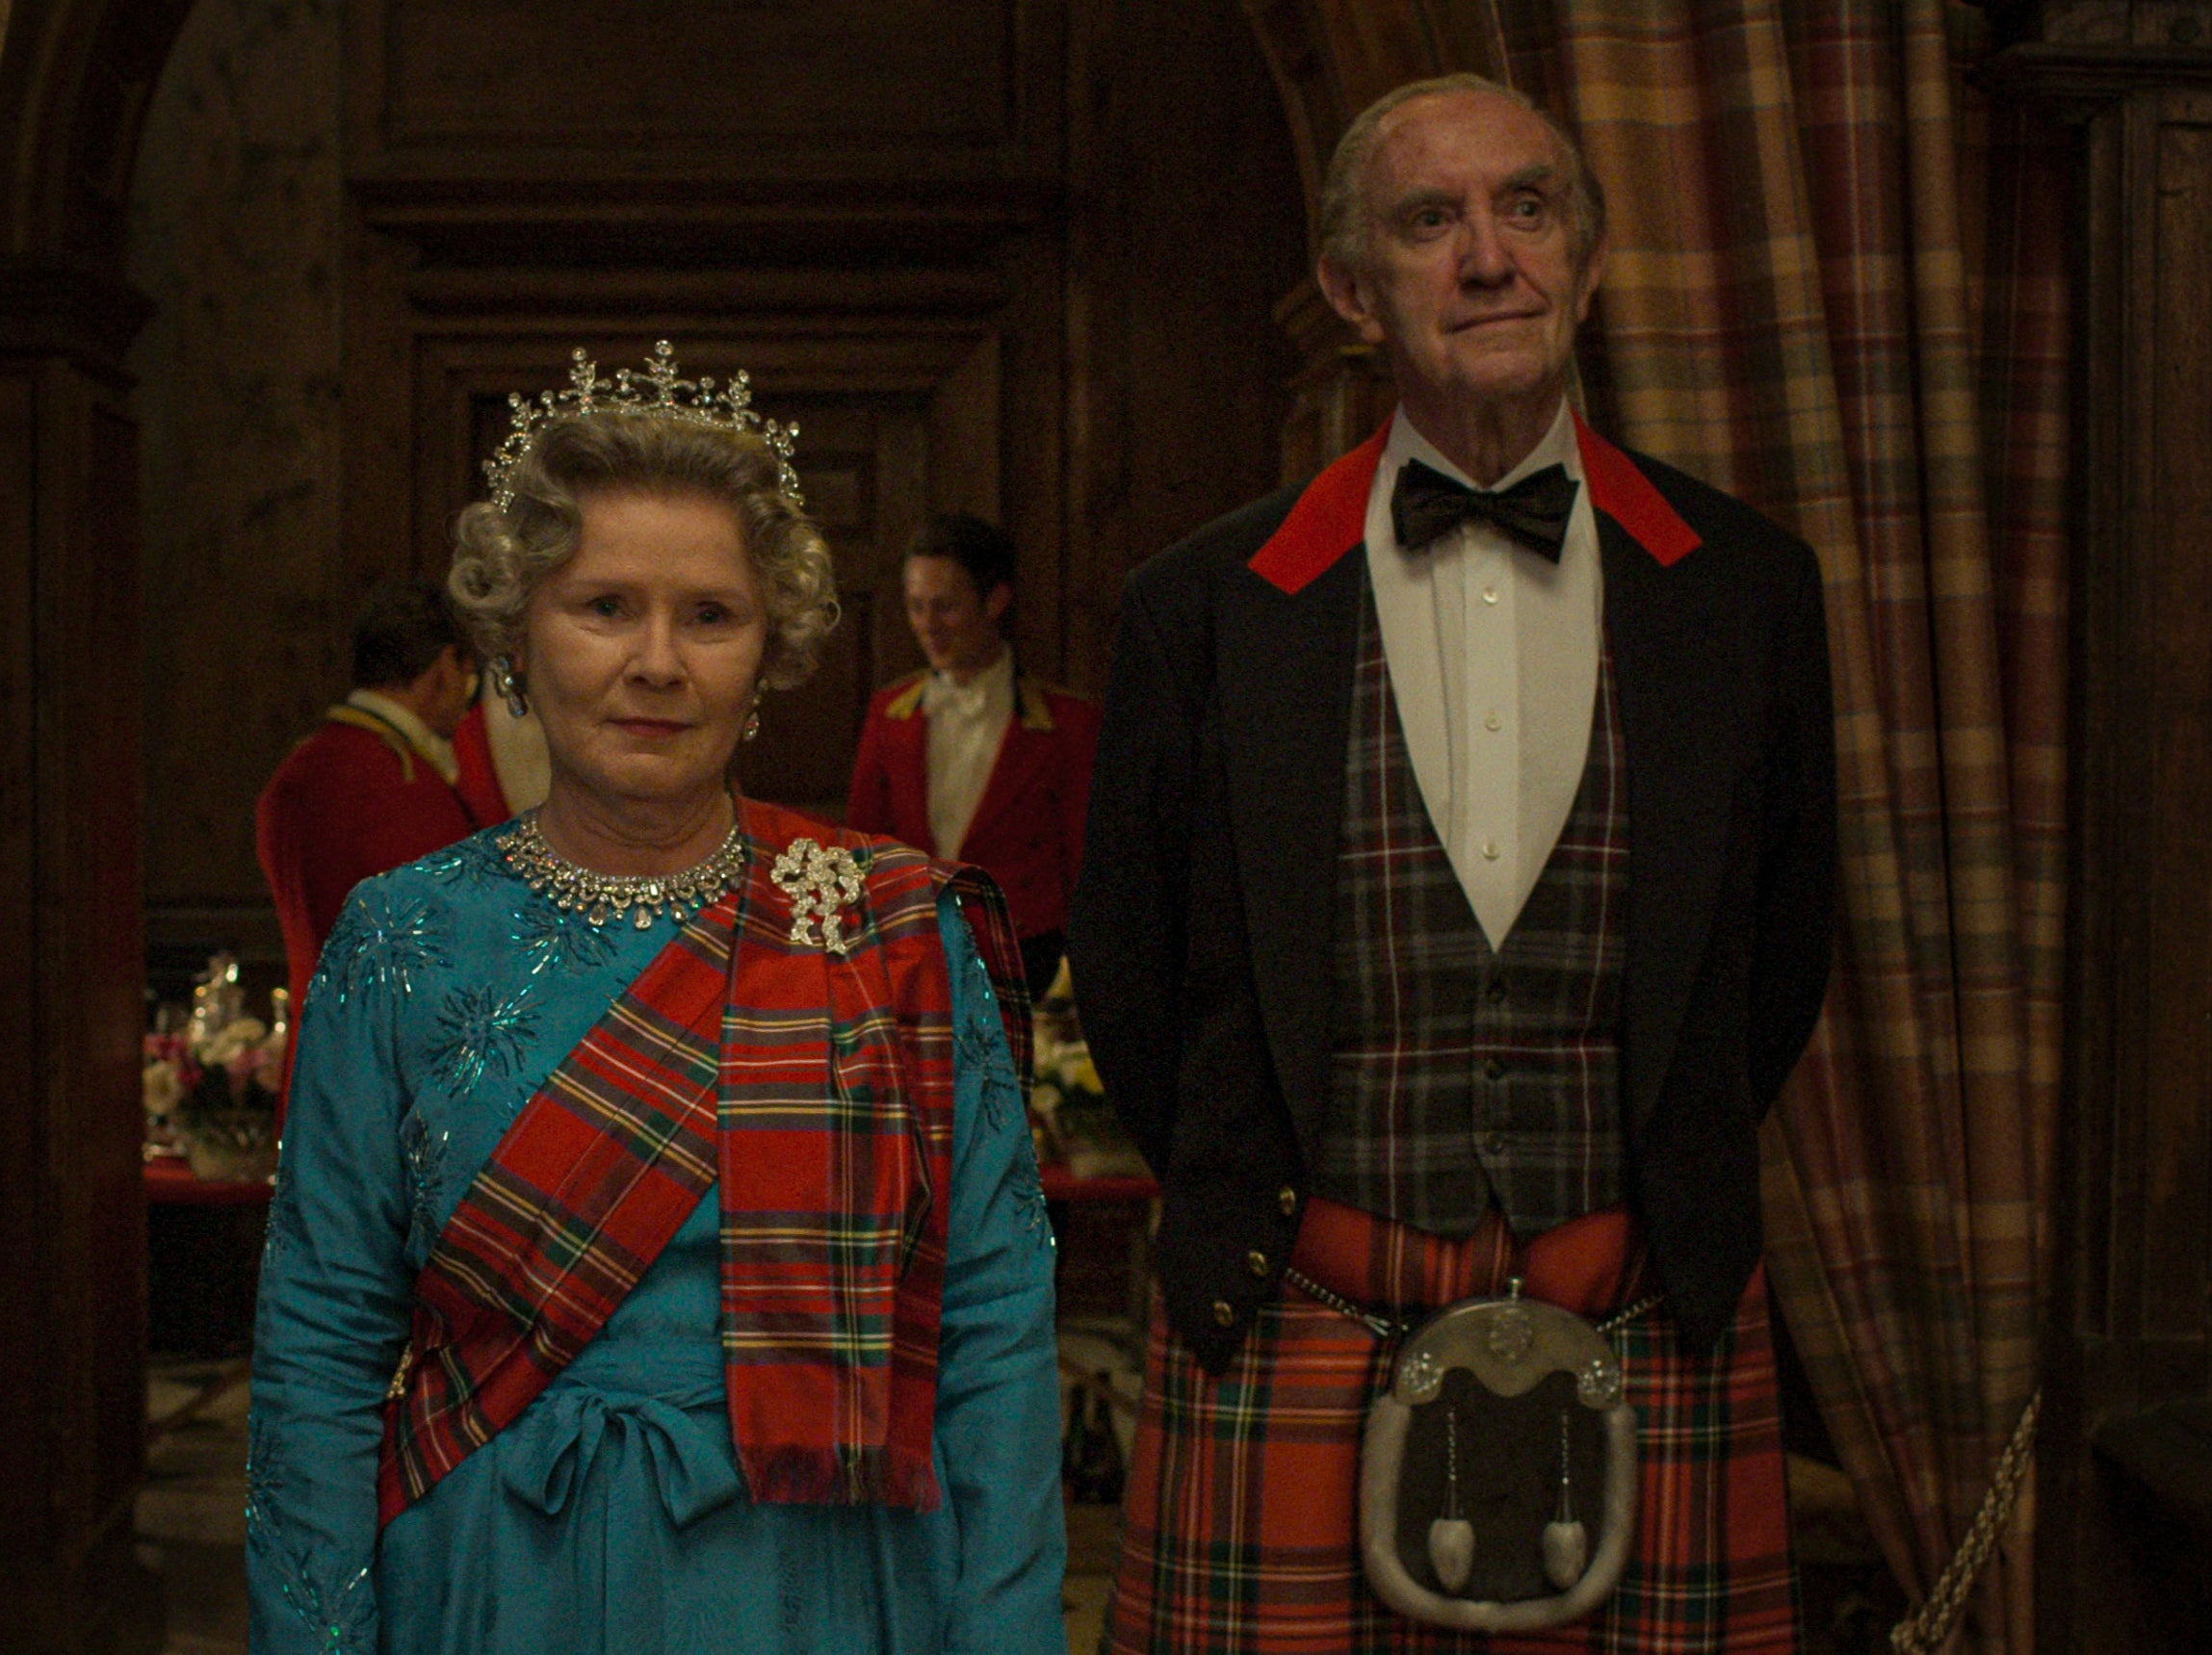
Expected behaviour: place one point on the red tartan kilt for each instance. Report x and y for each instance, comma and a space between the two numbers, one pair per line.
1239, 1530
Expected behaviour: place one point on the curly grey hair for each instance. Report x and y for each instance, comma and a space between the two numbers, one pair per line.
1343, 205
500, 557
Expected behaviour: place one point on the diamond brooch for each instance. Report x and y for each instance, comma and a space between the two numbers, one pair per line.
819, 883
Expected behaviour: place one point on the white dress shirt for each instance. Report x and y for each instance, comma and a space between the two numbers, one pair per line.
1492, 653
435, 748
966, 724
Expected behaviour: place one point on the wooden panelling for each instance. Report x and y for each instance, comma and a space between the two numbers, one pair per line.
1341, 394
2176, 1167
512, 74
1332, 58
73, 1312
92, 941
74, 87
2131, 1326
463, 378
906, 289
237, 210
25, 1190
965, 425
1188, 233
2157, 23
740, 90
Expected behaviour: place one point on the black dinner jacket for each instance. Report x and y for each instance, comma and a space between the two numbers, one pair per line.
1200, 939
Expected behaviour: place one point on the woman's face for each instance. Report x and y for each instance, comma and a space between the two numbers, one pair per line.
642, 649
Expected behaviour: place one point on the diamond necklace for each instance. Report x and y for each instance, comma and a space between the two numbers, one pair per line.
602, 897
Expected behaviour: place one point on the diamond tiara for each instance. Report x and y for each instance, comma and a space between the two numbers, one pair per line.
656, 392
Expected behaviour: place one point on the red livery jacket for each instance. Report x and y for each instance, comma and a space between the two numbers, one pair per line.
479, 785
353, 799
1028, 829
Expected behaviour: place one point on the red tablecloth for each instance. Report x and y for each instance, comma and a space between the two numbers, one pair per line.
169, 1182
1060, 1184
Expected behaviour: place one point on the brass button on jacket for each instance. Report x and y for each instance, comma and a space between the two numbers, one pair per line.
1224, 1315
1255, 1262
1287, 1199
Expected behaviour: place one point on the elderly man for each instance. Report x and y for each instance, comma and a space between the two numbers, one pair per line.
1456, 899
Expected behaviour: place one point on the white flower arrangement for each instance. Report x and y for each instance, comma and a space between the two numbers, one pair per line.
1074, 1124
209, 1088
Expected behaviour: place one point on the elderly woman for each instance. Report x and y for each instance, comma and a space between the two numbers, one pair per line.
659, 1262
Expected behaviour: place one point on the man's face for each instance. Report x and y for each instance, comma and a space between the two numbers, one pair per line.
1469, 280
956, 626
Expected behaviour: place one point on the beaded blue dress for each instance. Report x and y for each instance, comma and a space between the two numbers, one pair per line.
611, 1518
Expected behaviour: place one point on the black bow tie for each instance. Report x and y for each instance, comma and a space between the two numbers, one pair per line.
1425, 503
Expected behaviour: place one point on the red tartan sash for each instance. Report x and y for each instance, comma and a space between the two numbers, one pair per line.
817, 1091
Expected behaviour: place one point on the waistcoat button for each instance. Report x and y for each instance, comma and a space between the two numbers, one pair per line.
1287, 1199
1255, 1262
1223, 1314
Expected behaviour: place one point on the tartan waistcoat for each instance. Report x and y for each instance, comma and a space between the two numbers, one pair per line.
1461, 1075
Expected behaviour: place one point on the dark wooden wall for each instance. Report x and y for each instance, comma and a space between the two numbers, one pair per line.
235, 235
861, 204
2122, 1567
1010, 256
72, 1219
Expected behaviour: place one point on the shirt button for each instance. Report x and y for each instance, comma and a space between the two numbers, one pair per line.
1493, 722
1287, 1199
1494, 1144
1490, 594
1224, 1316
1495, 1069
1255, 1262
1491, 851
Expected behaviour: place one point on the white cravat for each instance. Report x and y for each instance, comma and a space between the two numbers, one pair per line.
433, 747
1492, 655
966, 722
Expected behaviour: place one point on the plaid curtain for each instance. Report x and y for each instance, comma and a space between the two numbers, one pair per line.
1837, 288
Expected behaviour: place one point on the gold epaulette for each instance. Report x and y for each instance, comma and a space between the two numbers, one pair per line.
1031, 704
383, 732
907, 702
1036, 711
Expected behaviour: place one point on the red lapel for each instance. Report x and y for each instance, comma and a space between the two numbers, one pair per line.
1329, 520
906, 765
1626, 496
1331, 517
1020, 751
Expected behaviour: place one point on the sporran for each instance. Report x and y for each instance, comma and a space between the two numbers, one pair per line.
1499, 1469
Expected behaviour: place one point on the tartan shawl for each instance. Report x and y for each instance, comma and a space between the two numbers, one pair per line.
817, 1091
